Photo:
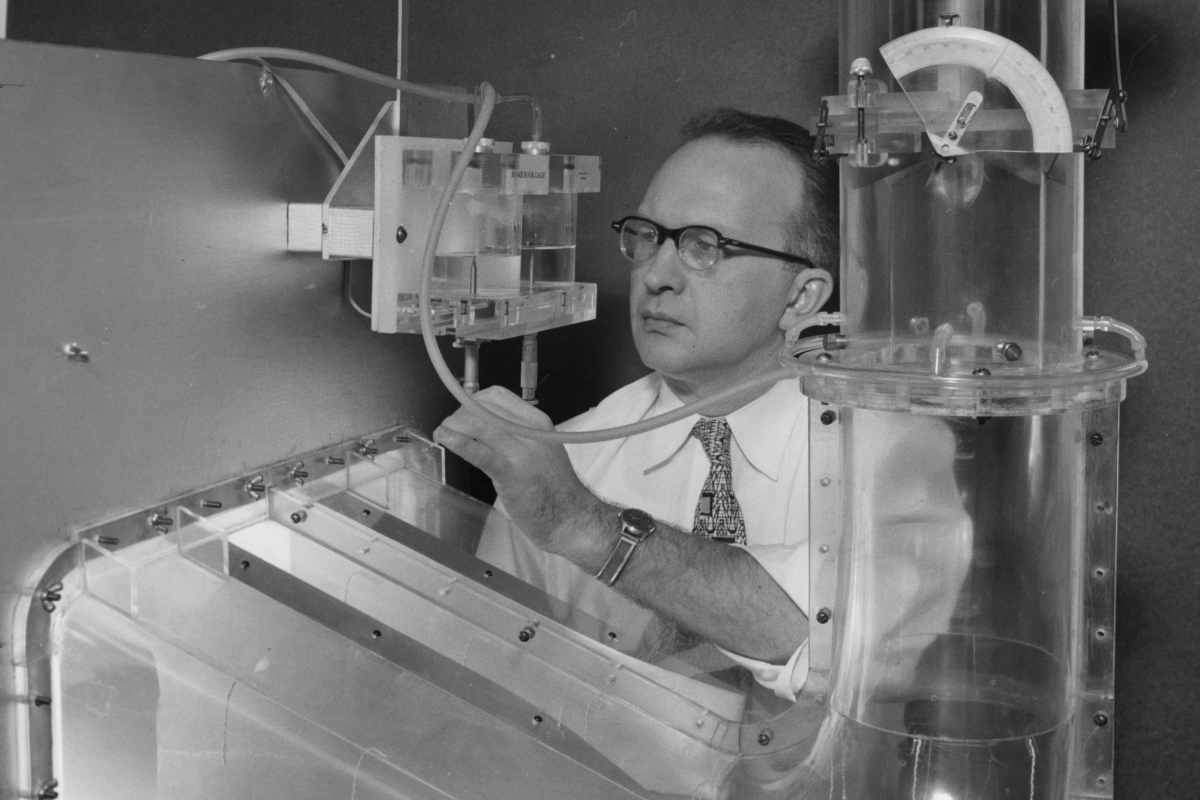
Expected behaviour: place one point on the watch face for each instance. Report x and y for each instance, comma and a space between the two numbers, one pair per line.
637, 521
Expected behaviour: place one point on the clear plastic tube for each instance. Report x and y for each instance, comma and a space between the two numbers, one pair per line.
535, 111
1110, 325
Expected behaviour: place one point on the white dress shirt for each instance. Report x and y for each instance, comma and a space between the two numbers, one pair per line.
662, 472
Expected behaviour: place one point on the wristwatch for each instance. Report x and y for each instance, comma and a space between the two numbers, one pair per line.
636, 526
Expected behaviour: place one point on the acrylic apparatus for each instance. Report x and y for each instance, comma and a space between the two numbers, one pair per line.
970, 409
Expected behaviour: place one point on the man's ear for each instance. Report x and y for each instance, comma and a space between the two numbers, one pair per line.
810, 290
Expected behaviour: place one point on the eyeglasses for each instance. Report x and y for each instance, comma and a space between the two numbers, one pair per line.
699, 246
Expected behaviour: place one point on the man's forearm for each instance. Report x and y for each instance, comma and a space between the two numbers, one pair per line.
712, 589
717, 591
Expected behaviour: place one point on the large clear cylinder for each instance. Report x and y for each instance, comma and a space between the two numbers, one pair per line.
967, 412
959, 661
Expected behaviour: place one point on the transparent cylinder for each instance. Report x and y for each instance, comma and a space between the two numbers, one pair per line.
984, 247
958, 658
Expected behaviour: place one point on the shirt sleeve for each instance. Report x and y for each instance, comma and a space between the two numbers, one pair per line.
785, 680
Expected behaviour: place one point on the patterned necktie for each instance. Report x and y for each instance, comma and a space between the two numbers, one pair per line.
718, 515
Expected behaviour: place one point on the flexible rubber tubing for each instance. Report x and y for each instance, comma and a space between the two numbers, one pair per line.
507, 425
246, 53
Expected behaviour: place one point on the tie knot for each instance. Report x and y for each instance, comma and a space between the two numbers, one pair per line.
713, 434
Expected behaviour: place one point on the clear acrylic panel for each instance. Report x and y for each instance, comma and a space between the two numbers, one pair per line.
325, 624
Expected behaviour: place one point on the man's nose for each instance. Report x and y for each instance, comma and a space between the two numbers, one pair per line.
665, 272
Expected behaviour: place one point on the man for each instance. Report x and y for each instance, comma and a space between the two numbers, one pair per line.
732, 246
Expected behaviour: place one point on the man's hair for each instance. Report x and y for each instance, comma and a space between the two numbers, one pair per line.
813, 232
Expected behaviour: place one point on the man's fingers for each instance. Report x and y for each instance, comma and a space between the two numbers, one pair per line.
478, 428
512, 408
467, 447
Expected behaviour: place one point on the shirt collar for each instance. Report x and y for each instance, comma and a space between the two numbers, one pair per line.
761, 429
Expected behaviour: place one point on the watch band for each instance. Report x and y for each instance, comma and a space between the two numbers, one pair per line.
636, 526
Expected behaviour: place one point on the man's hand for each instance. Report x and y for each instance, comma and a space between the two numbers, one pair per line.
535, 480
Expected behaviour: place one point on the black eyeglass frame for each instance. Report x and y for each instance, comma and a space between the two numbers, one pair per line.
723, 241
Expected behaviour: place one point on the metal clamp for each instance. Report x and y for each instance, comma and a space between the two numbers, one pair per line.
821, 145
1110, 113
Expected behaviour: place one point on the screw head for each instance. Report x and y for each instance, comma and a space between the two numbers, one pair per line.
245, 565
299, 516
981, 371
824, 358
824, 615
828, 417
764, 738
401, 234
1096, 439
526, 633
1101, 720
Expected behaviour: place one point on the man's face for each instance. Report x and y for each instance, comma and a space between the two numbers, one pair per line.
710, 328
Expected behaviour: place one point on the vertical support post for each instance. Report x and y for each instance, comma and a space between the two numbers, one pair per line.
470, 349
401, 62
529, 368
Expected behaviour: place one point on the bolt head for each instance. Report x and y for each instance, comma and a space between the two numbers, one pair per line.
861, 67
1010, 351
824, 358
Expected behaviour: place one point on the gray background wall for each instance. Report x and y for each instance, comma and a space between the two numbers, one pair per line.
618, 78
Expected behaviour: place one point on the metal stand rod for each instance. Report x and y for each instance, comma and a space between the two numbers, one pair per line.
470, 365
529, 369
